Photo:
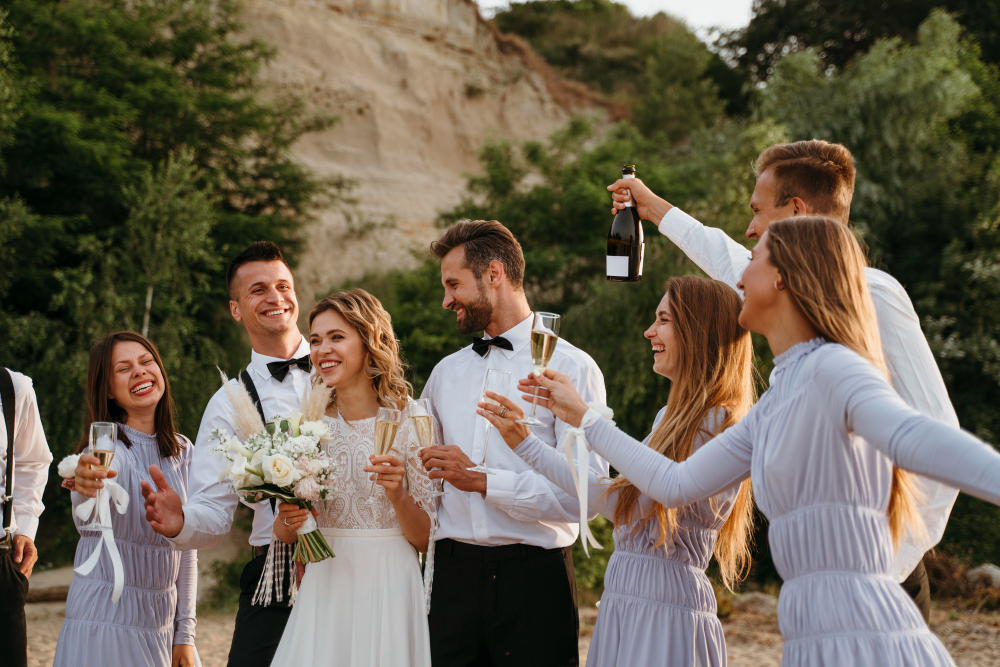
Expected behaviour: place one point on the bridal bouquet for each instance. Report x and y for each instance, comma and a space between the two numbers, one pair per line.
283, 459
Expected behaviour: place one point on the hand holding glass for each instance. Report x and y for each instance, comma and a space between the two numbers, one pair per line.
103, 442
498, 382
386, 425
423, 426
544, 336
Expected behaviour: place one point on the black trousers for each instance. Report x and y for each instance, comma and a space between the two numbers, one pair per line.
13, 627
258, 628
919, 588
512, 605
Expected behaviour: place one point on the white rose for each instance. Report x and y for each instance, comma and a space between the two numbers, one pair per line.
316, 429
318, 465
67, 467
280, 470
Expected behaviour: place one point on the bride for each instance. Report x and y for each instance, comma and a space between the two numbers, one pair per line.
365, 607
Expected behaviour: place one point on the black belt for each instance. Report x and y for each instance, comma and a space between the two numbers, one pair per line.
260, 551
456, 549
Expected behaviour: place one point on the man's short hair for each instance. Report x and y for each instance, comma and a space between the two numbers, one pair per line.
484, 241
260, 251
818, 172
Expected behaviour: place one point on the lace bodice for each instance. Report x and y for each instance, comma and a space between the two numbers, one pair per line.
349, 446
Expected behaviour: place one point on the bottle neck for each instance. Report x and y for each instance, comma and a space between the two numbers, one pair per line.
626, 177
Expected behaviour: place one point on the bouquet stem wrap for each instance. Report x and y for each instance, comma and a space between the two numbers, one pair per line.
311, 547
111, 491
577, 436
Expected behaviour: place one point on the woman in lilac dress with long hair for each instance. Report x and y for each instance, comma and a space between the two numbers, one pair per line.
152, 624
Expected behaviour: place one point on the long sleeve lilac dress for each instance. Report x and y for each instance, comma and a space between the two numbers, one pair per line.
157, 606
657, 601
820, 446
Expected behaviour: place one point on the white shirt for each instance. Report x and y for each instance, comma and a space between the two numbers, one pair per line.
912, 369
31, 459
208, 513
520, 506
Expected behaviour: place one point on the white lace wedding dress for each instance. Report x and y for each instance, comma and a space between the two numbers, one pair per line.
365, 607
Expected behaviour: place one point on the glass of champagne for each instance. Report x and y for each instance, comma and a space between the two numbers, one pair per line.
386, 425
103, 442
498, 382
544, 336
423, 426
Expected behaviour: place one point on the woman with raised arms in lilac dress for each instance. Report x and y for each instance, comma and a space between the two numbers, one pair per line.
152, 624
826, 447
657, 598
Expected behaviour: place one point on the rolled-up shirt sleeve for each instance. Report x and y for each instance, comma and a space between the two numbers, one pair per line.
31, 459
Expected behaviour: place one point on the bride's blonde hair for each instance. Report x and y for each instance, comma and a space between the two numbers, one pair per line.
716, 373
383, 365
823, 268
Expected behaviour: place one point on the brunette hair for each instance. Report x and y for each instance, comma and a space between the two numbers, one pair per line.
102, 408
819, 172
823, 268
484, 241
716, 374
260, 251
373, 323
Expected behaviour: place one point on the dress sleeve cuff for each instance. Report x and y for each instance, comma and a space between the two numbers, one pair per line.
500, 488
27, 525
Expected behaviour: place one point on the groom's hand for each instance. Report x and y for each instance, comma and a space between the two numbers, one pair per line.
452, 463
164, 509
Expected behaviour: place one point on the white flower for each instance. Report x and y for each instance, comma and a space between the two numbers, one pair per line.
235, 446
316, 429
318, 465
67, 467
280, 470
293, 420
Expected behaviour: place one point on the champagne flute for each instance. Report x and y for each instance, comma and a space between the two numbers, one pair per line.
386, 425
544, 336
103, 442
498, 382
423, 426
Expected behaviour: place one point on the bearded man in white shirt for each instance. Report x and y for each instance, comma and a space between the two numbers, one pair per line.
504, 588
817, 178
262, 298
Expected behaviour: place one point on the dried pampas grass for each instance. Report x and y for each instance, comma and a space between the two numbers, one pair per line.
246, 419
315, 402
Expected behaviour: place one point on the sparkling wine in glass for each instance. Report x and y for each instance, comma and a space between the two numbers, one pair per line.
498, 382
544, 336
103, 443
423, 426
386, 425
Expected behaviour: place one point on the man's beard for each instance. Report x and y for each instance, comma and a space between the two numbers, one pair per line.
478, 314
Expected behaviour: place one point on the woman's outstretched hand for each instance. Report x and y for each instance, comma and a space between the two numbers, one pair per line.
556, 393
503, 418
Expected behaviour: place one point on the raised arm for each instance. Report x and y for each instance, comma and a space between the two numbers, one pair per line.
552, 464
912, 441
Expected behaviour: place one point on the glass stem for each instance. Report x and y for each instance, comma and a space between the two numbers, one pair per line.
486, 445
534, 405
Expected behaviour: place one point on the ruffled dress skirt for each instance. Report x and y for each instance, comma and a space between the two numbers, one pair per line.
362, 608
656, 611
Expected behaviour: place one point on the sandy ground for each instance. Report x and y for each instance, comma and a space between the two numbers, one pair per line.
752, 640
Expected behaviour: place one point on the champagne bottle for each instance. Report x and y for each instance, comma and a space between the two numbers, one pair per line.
625, 244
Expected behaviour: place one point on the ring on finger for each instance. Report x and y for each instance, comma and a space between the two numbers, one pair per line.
286, 521
502, 412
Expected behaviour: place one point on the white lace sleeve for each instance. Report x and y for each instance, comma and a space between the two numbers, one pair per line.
420, 486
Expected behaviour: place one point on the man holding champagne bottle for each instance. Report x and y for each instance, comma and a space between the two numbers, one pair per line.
817, 178
504, 589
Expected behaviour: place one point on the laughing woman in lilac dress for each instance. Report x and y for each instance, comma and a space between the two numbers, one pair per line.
826, 446
152, 624
657, 599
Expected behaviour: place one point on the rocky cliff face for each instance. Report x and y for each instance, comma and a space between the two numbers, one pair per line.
418, 86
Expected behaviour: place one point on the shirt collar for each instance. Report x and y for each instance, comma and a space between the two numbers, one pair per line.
259, 362
518, 335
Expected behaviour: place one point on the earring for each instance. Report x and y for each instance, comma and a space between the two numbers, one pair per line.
776, 285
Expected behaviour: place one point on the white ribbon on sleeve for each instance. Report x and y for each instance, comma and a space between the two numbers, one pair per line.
596, 412
112, 490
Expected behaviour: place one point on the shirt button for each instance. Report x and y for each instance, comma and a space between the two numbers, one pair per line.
480, 525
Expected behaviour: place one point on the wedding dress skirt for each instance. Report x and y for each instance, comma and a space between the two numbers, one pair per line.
363, 608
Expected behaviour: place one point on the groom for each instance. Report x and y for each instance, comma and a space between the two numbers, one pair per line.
817, 178
262, 299
504, 590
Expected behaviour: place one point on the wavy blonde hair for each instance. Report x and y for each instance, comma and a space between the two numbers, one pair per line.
823, 268
716, 373
384, 364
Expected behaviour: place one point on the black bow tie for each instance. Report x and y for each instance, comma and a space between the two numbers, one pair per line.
482, 345
279, 369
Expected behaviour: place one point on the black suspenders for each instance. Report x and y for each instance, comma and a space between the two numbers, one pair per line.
7, 398
252, 390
